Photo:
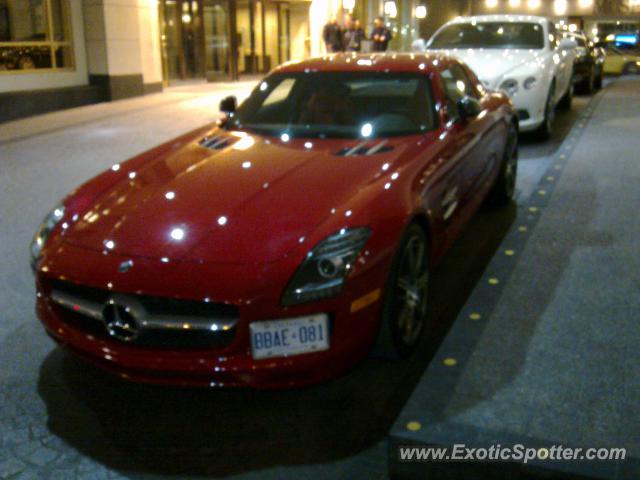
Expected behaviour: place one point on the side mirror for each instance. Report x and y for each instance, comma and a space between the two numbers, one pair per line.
418, 45
228, 105
567, 43
468, 107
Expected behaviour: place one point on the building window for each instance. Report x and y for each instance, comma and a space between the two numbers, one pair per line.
35, 35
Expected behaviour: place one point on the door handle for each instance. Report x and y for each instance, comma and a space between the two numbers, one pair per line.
449, 202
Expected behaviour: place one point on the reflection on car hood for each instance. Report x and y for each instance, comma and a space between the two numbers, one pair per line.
250, 201
492, 65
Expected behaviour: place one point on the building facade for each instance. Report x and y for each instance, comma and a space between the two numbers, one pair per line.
63, 53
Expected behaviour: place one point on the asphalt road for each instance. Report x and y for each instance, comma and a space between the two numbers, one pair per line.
61, 418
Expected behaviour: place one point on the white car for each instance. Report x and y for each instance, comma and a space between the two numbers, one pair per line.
520, 54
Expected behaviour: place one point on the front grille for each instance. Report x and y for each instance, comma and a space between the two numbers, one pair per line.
160, 322
523, 115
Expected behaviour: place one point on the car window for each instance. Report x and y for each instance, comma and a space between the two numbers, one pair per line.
339, 104
457, 85
581, 41
280, 93
554, 39
503, 35
611, 50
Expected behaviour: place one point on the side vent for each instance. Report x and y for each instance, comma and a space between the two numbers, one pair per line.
217, 142
365, 148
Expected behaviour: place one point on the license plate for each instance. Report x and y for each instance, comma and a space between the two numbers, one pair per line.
294, 336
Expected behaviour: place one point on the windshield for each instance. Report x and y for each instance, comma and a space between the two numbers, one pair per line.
620, 49
490, 35
338, 104
581, 41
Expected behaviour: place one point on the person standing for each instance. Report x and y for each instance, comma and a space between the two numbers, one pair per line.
353, 36
380, 35
332, 36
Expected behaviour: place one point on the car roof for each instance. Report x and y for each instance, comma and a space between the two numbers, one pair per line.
373, 62
500, 18
577, 33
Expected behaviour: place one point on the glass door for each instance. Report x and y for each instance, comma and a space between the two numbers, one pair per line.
246, 22
191, 39
220, 64
284, 32
181, 36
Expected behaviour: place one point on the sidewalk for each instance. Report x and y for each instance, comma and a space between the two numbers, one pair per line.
200, 99
547, 349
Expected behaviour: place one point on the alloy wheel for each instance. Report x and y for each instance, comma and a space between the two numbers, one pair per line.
411, 291
550, 111
511, 165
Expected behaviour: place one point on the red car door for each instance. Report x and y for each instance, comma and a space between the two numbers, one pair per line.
465, 150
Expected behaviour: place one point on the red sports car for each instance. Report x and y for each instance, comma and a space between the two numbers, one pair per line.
281, 245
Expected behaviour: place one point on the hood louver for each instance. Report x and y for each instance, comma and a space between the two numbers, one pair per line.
365, 148
217, 142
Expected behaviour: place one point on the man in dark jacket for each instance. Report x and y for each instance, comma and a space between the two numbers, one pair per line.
353, 35
380, 35
332, 36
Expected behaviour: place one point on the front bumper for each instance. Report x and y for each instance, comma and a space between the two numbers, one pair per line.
254, 291
530, 107
583, 69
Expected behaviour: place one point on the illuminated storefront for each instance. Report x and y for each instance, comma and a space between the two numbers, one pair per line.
35, 35
57, 54
224, 39
62, 53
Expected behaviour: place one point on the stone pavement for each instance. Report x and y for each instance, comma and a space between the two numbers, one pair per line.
546, 350
59, 418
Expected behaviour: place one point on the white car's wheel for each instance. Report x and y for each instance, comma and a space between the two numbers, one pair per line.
567, 99
505, 186
544, 131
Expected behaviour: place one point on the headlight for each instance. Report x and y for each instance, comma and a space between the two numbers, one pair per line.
43, 232
529, 83
510, 86
322, 273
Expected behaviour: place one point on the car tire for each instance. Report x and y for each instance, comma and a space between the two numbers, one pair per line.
502, 191
567, 99
405, 302
544, 131
588, 86
598, 81
631, 68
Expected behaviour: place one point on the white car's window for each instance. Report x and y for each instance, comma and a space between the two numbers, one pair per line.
554, 37
517, 35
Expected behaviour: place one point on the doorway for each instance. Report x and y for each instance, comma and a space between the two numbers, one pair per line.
219, 40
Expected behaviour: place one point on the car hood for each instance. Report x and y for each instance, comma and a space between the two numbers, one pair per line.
253, 200
492, 65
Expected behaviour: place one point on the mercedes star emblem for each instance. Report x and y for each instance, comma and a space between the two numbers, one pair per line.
119, 321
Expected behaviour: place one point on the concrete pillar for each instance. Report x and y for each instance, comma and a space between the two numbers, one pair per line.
122, 46
440, 12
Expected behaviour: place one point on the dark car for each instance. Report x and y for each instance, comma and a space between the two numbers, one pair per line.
279, 247
589, 64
